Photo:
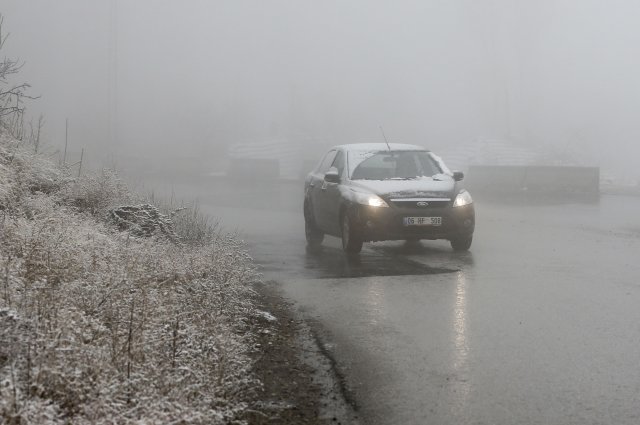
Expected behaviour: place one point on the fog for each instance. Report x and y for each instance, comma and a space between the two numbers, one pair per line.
381, 289
165, 79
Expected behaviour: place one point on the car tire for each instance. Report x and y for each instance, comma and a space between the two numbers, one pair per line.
351, 236
312, 232
462, 243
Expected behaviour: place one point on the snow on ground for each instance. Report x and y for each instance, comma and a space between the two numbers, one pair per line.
98, 325
267, 316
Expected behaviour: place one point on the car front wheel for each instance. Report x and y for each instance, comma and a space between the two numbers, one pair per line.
462, 243
351, 237
313, 234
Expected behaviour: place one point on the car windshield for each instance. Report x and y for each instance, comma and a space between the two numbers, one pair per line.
388, 165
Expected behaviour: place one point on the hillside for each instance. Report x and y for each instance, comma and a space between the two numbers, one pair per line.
106, 320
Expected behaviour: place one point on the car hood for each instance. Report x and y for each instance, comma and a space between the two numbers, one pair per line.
427, 187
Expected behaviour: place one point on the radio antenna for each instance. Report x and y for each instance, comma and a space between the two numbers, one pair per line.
385, 138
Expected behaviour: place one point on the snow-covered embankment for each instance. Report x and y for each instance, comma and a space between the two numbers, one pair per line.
99, 325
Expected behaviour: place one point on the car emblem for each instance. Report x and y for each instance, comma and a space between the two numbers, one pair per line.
423, 204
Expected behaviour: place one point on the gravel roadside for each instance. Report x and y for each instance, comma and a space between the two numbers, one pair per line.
300, 383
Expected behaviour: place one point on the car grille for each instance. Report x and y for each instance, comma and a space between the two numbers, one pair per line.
421, 203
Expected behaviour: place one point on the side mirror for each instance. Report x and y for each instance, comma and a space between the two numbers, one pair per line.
332, 176
458, 176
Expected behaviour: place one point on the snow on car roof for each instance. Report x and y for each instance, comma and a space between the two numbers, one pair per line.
374, 147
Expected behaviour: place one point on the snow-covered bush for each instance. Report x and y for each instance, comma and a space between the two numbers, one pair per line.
143, 220
103, 326
22, 172
191, 226
97, 193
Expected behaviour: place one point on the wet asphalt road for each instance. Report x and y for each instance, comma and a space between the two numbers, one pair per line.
538, 324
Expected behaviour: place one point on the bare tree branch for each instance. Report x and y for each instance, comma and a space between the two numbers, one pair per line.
12, 96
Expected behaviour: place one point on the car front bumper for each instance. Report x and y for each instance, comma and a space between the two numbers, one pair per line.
379, 224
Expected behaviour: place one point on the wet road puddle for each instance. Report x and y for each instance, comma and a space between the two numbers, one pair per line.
333, 263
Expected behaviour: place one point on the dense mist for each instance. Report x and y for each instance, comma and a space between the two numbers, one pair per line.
163, 79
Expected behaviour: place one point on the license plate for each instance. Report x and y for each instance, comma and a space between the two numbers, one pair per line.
422, 221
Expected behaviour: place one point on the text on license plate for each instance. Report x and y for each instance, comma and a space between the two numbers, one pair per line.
422, 221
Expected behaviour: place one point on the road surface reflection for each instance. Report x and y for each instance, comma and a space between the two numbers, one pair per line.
460, 386
328, 262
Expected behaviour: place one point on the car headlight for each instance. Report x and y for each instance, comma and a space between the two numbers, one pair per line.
369, 199
463, 198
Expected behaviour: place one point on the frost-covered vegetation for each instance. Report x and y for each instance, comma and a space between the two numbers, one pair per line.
106, 317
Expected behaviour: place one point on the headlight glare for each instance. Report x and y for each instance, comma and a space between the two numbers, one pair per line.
463, 198
375, 201
369, 199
